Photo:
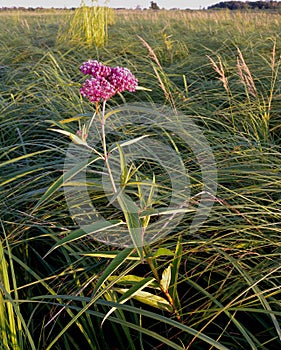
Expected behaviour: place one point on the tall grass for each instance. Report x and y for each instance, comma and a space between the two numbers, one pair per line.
225, 277
88, 25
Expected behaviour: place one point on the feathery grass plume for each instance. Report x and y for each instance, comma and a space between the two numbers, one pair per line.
160, 74
218, 67
245, 75
87, 26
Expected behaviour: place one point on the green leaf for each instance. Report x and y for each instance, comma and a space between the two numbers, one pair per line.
63, 178
164, 211
133, 280
149, 299
175, 266
166, 279
106, 255
130, 211
90, 229
59, 124
129, 279
127, 143
163, 252
25, 156
76, 139
123, 166
73, 119
151, 192
112, 267
131, 142
130, 293
110, 113
146, 202
142, 88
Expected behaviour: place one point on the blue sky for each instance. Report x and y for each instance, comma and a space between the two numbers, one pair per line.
191, 4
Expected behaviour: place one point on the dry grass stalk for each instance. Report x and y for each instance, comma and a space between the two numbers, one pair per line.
150, 50
158, 72
273, 57
245, 75
162, 85
218, 67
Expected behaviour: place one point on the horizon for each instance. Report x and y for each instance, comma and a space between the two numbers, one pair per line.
128, 4
47, 4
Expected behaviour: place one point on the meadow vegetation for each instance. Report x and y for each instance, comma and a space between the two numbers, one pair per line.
215, 288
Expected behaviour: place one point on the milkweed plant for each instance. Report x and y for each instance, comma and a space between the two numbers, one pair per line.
103, 83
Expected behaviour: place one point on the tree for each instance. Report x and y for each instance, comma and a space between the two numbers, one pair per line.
240, 5
154, 6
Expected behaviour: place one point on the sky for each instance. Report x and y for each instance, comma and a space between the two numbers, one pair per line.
167, 4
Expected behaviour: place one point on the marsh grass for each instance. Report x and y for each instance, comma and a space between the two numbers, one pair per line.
88, 25
226, 276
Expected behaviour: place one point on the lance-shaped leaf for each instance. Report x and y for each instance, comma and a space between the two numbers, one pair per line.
166, 279
142, 88
74, 138
130, 293
93, 228
130, 280
130, 211
163, 252
64, 178
127, 143
175, 267
123, 166
112, 267
149, 299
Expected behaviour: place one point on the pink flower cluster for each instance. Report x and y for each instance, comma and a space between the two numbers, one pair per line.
105, 81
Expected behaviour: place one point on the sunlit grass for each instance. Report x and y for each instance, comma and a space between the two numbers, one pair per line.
88, 25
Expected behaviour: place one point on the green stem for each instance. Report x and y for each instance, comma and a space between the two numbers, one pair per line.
91, 121
153, 266
105, 148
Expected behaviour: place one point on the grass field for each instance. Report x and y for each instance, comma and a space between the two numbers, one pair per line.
214, 288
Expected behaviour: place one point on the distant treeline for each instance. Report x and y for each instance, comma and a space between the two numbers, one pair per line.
253, 5
37, 9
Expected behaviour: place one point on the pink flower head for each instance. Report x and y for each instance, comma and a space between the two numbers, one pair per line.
97, 88
105, 81
95, 68
122, 79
